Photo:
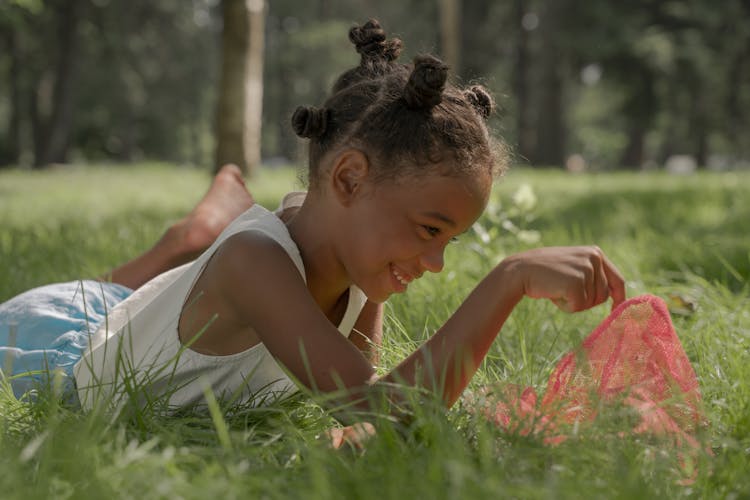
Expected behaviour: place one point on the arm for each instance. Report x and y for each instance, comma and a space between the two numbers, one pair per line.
574, 278
311, 348
367, 333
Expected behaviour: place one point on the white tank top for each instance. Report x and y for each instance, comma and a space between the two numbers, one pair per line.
137, 354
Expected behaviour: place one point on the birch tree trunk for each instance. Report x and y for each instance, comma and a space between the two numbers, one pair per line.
239, 112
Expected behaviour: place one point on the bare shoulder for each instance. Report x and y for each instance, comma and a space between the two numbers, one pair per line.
220, 315
258, 281
250, 263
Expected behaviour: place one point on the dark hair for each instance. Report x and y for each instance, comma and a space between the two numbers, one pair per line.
402, 116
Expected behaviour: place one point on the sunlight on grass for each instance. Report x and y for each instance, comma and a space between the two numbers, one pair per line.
685, 237
79, 222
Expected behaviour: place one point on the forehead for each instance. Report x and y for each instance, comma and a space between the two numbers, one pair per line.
445, 182
461, 199
444, 167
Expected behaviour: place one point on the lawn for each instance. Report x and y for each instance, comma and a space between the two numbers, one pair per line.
685, 238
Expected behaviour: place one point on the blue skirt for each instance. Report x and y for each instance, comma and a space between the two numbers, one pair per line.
44, 331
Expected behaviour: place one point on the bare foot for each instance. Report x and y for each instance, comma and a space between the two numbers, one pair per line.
185, 240
225, 200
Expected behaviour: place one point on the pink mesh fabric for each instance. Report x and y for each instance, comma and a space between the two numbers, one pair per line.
633, 358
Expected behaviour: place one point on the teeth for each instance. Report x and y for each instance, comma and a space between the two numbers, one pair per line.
400, 278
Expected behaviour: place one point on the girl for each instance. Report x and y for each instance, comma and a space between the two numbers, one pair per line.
400, 163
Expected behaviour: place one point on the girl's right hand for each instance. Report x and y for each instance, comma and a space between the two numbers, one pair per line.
573, 278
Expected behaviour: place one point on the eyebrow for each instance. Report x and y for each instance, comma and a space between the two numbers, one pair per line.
440, 216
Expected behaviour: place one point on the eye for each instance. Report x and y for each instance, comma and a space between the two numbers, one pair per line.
427, 232
432, 231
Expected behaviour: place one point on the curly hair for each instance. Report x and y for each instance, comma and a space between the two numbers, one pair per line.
407, 118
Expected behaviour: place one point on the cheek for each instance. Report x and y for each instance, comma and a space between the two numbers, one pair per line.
379, 245
364, 243
379, 235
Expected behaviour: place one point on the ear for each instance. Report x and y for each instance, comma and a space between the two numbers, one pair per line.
349, 175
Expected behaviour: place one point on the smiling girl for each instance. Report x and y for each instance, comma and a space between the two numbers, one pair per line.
400, 163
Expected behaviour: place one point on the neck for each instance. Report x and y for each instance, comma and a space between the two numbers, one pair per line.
327, 279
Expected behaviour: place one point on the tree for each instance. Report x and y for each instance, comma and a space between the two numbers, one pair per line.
521, 65
551, 140
45, 37
10, 151
52, 134
450, 32
622, 83
241, 86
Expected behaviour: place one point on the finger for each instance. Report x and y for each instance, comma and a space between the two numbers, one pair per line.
589, 285
357, 434
336, 436
364, 430
576, 298
615, 282
601, 284
579, 291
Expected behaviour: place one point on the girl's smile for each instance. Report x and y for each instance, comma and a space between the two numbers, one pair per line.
402, 279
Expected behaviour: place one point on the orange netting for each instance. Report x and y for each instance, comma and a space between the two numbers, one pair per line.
633, 358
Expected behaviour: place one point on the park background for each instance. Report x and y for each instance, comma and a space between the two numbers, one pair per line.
628, 126
598, 84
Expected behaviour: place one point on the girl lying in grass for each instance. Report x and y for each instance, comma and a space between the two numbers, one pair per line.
241, 301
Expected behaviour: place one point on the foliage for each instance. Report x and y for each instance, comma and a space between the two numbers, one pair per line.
142, 78
67, 222
619, 83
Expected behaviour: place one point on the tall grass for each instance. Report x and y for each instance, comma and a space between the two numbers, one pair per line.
681, 237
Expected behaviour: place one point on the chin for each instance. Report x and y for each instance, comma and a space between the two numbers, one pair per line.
377, 291
376, 296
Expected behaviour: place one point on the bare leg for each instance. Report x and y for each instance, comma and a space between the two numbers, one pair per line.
186, 239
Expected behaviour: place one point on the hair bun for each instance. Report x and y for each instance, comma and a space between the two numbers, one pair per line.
392, 49
310, 122
480, 99
424, 89
370, 41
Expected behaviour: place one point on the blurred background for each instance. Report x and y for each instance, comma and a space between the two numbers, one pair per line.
582, 85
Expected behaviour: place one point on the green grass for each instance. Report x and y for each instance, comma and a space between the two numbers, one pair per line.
669, 235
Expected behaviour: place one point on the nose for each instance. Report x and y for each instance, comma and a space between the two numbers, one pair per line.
432, 260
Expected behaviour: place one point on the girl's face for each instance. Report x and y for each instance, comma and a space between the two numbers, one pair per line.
397, 230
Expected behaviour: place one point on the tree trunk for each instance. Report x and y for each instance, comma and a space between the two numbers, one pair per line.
55, 134
479, 47
669, 137
698, 128
12, 151
325, 9
638, 109
733, 106
450, 33
37, 126
521, 82
632, 155
239, 111
550, 147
